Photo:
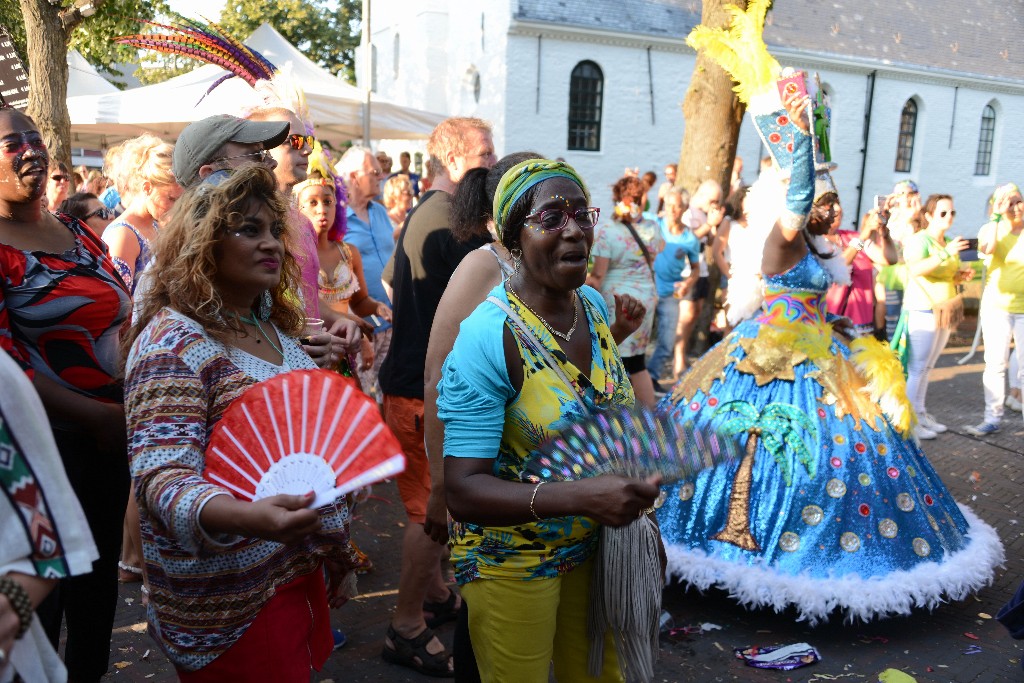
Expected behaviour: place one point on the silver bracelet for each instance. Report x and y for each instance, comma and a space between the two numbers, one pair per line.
533, 499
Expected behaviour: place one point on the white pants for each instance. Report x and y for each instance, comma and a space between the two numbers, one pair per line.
926, 344
998, 328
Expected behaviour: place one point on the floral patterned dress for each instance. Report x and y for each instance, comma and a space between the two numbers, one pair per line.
629, 273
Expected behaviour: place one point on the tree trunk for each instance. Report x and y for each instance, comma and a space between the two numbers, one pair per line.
48, 76
713, 114
737, 524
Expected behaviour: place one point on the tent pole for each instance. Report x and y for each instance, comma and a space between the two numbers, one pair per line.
367, 72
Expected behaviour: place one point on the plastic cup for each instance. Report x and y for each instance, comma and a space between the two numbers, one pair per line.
312, 327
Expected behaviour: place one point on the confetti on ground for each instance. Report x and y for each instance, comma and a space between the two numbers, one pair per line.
720, 647
973, 650
984, 615
975, 477
971, 636
145, 655
831, 677
709, 627
140, 627
121, 665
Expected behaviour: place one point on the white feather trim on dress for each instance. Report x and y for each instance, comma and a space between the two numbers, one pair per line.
927, 585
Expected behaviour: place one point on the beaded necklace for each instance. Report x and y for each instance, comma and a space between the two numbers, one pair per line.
251, 319
560, 335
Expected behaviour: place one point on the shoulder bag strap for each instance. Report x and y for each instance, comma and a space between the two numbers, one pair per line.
541, 349
643, 247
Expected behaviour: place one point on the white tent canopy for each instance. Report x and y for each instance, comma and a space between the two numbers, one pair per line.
84, 79
164, 109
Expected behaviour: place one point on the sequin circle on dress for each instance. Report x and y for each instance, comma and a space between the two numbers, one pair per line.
850, 542
864, 479
932, 523
812, 515
904, 502
660, 500
921, 547
686, 491
835, 488
887, 528
789, 542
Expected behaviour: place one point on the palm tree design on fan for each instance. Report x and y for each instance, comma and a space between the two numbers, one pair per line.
777, 426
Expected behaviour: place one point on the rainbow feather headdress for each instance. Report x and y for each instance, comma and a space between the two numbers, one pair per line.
212, 44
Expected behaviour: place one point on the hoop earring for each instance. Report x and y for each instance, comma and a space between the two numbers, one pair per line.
517, 259
265, 306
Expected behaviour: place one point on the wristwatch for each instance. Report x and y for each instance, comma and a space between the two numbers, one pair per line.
858, 244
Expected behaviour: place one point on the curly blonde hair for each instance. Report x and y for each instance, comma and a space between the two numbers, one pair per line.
145, 158
395, 187
185, 263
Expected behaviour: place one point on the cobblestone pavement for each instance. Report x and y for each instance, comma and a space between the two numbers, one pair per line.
933, 647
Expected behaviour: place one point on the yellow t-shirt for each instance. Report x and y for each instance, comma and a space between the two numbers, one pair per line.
923, 292
1005, 287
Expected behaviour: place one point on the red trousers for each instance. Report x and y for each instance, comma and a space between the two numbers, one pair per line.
290, 636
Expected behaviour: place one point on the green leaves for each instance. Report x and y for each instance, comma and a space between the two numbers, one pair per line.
782, 428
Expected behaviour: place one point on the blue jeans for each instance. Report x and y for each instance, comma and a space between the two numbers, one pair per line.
665, 341
893, 306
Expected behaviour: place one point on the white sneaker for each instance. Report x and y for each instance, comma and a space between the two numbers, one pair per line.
1013, 403
923, 433
931, 423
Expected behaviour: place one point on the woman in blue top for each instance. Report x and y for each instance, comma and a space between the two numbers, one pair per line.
528, 359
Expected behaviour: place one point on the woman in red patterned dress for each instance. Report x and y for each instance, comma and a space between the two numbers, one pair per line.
61, 308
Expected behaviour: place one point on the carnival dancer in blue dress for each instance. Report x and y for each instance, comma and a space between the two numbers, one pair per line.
834, 506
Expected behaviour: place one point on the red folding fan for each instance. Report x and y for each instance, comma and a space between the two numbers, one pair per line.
301, 431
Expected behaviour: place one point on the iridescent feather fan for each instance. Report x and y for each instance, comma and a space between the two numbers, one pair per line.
633, 442
212, 44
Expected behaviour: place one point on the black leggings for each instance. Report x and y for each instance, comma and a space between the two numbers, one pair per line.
88, 602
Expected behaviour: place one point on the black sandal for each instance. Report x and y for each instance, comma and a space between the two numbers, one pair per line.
441, 612
405, 651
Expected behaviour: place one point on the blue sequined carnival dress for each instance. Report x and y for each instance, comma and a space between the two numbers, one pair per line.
834, 506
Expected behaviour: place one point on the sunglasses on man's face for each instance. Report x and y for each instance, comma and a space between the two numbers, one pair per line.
951, 214
300, 142
102, 212
59, 178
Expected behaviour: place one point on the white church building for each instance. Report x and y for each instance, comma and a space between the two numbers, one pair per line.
932, 92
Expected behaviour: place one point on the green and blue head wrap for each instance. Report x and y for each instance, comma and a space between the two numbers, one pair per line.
521, 177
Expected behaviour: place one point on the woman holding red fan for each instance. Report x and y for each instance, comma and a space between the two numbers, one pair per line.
226, 576
536, 353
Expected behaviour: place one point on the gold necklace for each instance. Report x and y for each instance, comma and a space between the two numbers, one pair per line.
575, 314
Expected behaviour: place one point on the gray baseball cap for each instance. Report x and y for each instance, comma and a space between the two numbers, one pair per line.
200, 141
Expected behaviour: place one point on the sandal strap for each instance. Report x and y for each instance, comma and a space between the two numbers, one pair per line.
446, 606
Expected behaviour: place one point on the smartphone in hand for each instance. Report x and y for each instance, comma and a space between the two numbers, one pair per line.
971, 252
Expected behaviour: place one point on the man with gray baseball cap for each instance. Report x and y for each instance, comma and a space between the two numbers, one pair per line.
222, 142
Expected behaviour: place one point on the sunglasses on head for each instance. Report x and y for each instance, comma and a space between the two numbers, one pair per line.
102, 212
301, 141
